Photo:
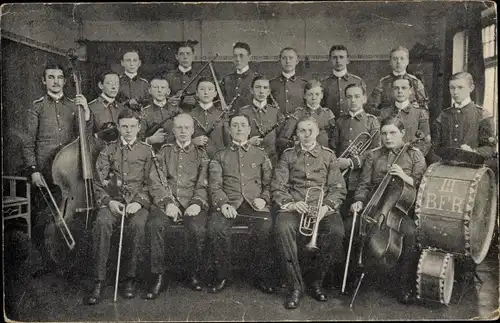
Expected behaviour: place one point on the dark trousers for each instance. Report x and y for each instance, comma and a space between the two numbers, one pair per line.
261, 239
405, 272
133, 235
195, 227
330, 236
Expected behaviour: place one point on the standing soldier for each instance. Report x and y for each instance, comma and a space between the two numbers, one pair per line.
52, 124
382, 94
123, 169
181, 76
335, 84
239, 82
133, 91
414, 118
239, 177
307, 165
184, 194
288, 88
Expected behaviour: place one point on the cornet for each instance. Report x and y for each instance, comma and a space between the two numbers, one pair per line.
309, 222
358, 146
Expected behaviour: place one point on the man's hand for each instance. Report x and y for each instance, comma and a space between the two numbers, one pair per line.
259, 203
228, 211
357, 206
466, 147
133, 101
36, 178
81, 100
200, 141
174, 100
255, 141
193, 210
173, 211
190, 99
116, 207
396, 170
157, 138
133, 207
300, 207
343, 163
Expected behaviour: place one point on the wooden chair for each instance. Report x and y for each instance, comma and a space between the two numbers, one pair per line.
16, 200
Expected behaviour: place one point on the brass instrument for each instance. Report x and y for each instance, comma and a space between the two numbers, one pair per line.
357, 147
309, 221
57, 214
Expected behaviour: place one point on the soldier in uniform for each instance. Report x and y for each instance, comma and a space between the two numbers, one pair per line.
262, 117
52, 123
123, 169
184, 194
381, 95
239, 82
414, 117
133, 91
313, 93
181, 76
211, 127
307, 165
288, 88
335, 84
410, 168
157, 111
464, 125
239, 177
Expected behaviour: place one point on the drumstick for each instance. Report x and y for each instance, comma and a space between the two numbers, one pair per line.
254, 216
119, 253
349, 251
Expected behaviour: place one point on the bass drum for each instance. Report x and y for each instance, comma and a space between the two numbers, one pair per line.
435, 276
456, 209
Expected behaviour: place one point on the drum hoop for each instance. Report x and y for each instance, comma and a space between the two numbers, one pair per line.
444, 266
420, 196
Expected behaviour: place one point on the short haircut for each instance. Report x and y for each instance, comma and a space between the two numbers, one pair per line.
402, 77
102, 76
306, 119
128, 114
185, 44
463, 75
131, 51
54, 66
288, 48
239, 115
400, 49
358, 85
312, 84
337, 47
258, 78
158, 77
183, 115
393, 120
204, 79
242, 45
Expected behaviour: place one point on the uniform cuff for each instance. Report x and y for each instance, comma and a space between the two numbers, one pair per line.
198, 202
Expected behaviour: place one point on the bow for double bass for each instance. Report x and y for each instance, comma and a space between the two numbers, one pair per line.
182, 91
263, 134
160, 124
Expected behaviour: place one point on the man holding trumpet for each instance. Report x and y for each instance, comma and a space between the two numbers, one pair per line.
305, 166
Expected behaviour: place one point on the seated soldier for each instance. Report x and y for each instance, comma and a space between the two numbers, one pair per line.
181, 189
239, 177
304, 166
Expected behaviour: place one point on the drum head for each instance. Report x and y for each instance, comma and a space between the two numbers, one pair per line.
435, 276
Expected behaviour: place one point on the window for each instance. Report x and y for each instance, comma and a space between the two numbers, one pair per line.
489, 41
459, 52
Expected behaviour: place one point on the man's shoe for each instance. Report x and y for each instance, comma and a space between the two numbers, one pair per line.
195, 284
129, 290
318, 294
95, 296
156, 289
293, 299
218, 286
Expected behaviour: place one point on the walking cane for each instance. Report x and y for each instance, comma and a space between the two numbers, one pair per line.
349, 251
119, 253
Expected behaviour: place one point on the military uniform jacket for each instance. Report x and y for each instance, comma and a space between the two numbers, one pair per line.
177, 80
414, 119
326, 123
234, 84
185, 170
104, 112
152, 115
468, 125
334, 87
135, 88
347, 128
289, 93
299, 170
123, 173
378, 162
239, 173
262, 120
205, 120
50, 126
382, 94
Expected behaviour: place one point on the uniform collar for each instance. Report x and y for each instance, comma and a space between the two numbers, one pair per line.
341, 74
184, 70
186, 147
55, 97
206, 106
132, 76
398, 74
402, 105
260, 106
288, 76
243, 70
106, 99
317, 110
160, 104
314, 150
461, 105
236, 145
124, 143
358, 114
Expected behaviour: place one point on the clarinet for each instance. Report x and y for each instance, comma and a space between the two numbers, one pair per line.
163, 180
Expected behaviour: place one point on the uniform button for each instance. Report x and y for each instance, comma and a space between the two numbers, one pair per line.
350, 129
60, 129
286, 90
58, 115
350, 140
125, 174
184, 82
458, 111
456, 126
236, 88
242, 184
287, 101
454, 139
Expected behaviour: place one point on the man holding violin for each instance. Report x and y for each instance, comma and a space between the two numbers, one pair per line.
308, 165
409, 168
52, 123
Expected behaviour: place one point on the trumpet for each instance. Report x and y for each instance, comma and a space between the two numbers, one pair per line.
358, 146
309, 221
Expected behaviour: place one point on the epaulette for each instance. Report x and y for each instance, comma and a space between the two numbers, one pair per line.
39, 100
327, 149
166, 145
140, 78
355, 76
479, 107
415, 105
369, 115
245, 107
69, 99
93, 101
448, 108
274, 78
290, 148
147, 106
145, 143
375, 149
386, 77
412, 76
